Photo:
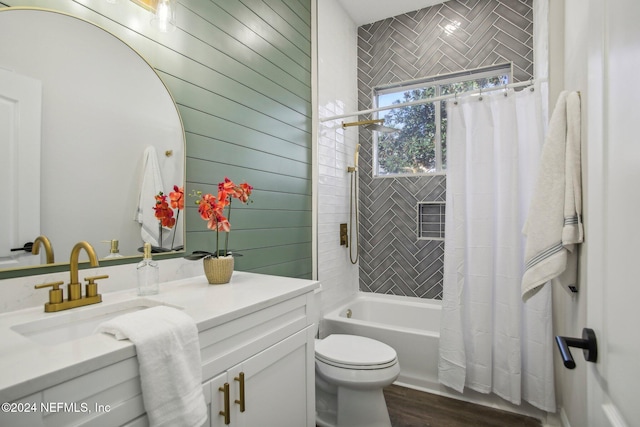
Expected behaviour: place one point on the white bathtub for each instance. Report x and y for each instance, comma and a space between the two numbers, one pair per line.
412, 327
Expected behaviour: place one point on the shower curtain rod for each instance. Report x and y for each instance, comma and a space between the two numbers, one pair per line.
433, 99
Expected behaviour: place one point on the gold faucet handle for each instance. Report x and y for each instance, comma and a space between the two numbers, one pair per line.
92, 279
91, 288
55, 294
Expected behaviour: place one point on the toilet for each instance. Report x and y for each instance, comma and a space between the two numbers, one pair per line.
351, 372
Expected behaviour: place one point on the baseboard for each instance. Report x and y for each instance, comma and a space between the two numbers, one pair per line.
561, 418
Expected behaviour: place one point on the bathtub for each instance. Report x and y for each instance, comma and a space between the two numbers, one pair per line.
412, 327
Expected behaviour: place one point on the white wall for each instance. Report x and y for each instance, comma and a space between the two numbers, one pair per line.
568, 71
337, 94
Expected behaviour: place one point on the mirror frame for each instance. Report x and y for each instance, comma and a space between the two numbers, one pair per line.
30, 270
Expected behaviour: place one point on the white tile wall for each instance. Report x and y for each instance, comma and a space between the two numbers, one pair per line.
337, 94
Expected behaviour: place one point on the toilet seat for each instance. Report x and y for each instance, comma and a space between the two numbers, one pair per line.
355, 352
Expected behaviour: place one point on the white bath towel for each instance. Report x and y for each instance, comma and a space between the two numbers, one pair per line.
151, 185
168, 351
554, 222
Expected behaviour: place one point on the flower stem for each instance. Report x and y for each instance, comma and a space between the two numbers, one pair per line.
226, 238
174, 229
217, 240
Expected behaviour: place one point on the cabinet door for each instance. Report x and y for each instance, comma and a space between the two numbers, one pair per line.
279, 385
215, 388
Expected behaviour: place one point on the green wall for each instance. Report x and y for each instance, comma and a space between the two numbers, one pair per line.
240, 73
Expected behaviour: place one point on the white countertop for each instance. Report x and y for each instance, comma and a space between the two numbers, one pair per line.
27, 367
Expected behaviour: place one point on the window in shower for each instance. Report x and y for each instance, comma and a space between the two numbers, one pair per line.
419, 145
431, 220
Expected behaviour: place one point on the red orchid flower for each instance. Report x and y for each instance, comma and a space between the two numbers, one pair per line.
207, 206
163, 212
244, 192
211, 208
177, 198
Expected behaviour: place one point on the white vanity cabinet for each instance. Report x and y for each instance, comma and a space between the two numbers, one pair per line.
269, 389
269, 356
265, 346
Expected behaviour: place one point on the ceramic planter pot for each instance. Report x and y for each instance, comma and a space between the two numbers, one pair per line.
218, 270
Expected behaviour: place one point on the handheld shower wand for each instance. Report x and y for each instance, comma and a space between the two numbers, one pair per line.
355, 157
354, 168
353, 201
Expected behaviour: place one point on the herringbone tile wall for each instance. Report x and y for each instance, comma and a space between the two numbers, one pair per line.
456, 35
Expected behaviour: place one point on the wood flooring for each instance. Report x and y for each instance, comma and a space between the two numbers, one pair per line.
412, 408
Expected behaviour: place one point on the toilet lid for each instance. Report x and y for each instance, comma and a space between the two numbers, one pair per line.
354, 351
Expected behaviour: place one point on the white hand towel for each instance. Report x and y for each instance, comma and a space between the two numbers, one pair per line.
168, 351
573, 232
150, 187
554, 223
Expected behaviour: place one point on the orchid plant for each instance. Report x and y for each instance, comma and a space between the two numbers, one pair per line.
212, 210
164, 210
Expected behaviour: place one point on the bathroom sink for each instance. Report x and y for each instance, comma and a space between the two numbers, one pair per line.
80, 322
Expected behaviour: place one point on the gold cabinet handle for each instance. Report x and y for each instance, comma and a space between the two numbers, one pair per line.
227, 406
241, 402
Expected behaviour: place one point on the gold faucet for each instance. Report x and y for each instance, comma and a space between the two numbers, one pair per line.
74, 289
35, 249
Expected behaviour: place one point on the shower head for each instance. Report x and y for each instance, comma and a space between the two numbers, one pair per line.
372, 125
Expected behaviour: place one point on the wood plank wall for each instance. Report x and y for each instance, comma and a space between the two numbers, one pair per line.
240, 73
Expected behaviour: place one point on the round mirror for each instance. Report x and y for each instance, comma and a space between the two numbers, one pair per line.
90, 136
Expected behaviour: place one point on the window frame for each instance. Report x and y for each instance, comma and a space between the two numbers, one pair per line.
438, 81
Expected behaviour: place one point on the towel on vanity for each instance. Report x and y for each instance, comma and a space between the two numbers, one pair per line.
150, 187
554, 222
168, 350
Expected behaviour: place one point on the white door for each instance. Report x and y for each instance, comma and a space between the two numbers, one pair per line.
20, 111
613, 207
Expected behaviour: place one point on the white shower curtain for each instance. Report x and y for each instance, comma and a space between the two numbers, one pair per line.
490, 341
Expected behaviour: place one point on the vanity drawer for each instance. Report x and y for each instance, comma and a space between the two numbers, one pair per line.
107, 397
234, 341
